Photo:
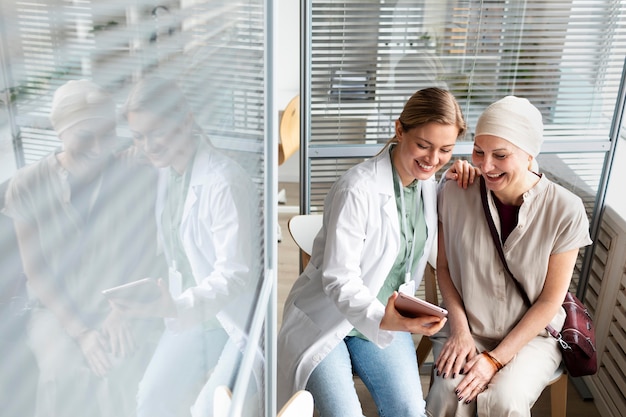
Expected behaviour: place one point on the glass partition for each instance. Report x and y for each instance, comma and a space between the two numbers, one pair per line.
135, 173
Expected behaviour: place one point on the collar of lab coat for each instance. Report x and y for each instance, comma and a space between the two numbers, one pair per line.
201, 164
199, 169
383, 184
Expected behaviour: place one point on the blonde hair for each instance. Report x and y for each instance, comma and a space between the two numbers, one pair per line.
159, 96
430, 105
163, 98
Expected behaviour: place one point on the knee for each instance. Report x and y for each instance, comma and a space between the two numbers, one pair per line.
502, 401
404, 400
441, 395
413, 407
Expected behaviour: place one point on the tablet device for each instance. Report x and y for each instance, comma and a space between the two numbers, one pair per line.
413, 307
141, 291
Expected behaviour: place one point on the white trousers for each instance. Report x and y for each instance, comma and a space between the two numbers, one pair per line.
511, 392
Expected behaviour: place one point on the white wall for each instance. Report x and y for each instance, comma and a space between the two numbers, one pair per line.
287, 73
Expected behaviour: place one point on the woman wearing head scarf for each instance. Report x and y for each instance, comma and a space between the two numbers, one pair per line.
379, 225
80, 221
494, 356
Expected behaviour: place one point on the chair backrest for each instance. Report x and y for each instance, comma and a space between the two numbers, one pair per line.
221, 401
430, 294
303, 228
299, 405
289, 130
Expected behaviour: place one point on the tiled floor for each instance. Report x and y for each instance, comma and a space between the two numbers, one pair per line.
288, 269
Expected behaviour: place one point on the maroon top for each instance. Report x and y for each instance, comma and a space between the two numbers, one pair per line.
508, 217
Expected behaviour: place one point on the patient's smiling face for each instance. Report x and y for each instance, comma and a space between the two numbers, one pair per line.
87, 145
504, 167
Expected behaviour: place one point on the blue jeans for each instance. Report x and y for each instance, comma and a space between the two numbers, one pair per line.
178, 370
391, 376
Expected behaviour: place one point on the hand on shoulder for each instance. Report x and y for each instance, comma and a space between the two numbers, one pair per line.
463, 173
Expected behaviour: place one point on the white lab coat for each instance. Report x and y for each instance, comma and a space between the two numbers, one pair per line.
221, 242
351, 258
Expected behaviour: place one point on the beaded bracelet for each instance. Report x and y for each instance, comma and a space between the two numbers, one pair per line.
496, 363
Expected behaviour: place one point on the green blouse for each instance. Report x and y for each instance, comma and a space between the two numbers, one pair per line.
415, 236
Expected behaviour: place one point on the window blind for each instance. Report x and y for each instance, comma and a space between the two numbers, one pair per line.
368, 57
213, 49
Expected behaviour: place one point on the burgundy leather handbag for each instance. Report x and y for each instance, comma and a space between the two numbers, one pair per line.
577, 339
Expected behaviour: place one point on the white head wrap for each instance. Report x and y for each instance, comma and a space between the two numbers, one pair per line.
79, 100
516, 120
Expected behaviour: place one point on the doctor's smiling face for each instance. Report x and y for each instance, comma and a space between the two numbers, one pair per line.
161, 123
423, 150
425, 134
163, 140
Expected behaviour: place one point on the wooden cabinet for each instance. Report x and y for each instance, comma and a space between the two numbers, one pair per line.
606, 299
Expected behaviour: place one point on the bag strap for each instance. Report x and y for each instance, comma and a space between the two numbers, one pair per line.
496, 241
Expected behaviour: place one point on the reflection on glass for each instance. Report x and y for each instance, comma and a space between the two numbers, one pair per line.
205, 214
85, 222
86, 214
82, 221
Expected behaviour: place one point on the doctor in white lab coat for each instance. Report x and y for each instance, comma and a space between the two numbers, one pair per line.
206, 211
380, 222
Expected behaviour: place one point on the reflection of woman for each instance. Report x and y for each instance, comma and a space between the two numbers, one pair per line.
494, 340
205, 214
379, 225
81, 228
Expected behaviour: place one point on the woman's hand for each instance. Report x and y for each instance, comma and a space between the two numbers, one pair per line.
93, 346
393, 320
456, 351
117, 330
478, 373
163, 306
463, 173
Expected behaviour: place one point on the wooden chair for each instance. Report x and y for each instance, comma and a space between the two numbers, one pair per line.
558, 394
289, 134
430, 294
299, 405
221, 401
289, 130
303, 228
